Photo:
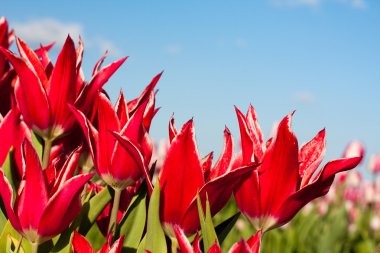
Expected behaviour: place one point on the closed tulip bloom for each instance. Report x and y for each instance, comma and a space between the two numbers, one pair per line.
287, 178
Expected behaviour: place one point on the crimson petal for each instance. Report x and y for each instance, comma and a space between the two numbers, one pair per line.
181, 176
36, 111
280, 162
63, 207
319, 187
34, 197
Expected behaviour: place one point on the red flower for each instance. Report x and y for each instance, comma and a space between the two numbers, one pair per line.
6, 73
81, 245
117, 166
12, 133
287, 179
184, 175
40, 211
43, 90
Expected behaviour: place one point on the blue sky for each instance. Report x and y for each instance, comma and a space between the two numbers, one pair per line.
318, 57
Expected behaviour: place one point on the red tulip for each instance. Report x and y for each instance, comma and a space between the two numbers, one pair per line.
117, 166
37, 210
6, 73
287, 179
43, 90
81, 245
184, 175
12, 133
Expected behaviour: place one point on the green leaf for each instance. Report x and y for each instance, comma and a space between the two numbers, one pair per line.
207, 227
93, 208
38, 145
95, 237
10, 231
225, 227
155, 237
132, 224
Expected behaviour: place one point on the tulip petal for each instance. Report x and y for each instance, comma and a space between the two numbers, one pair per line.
80, 244
117, 246
107, 121
214, 249
67, 171
247, 144
183, 242
36, 111
91, 135
135, 154
218, 190
181, 176
206, 163
6, 194
278, 173
254, 242
34, 197
122, 109
135, 103
222, 166
319, 187
63, 207
311, 156
172, 129
85, 98
62, 85
32, 59
247, 197
240, 247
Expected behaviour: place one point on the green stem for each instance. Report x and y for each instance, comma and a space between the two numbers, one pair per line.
115, 208
174, 244
46, 154
34, 247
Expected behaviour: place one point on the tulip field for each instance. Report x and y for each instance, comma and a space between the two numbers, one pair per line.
80, 173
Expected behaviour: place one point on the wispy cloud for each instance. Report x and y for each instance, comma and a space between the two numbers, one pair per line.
173, 49
304, 97
46, 30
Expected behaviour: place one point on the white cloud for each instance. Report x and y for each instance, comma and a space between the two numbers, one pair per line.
304, 97
173, 49
46, 30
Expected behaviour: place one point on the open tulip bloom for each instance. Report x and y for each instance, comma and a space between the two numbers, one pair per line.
38, 210
184, 175
53, 87
287, 178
